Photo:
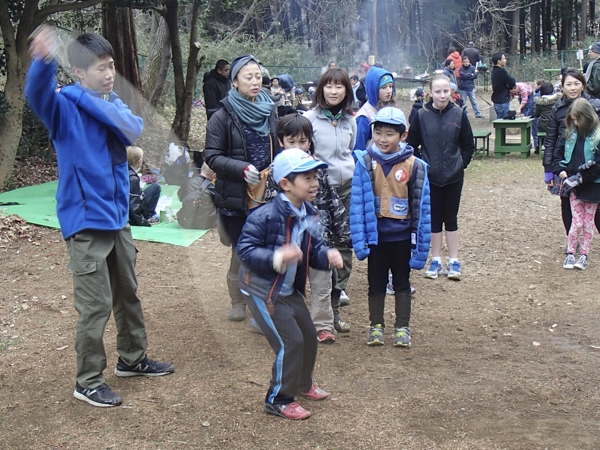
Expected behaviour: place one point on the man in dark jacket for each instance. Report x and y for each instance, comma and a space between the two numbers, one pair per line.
502, 83
472, 53
216, 85
468, 74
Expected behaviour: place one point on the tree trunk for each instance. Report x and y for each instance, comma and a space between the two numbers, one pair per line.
514, 29
584, 19
119, 29
534, 18
154, 62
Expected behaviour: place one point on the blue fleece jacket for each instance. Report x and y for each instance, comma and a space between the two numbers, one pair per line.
89, 135
368, 110
364, 224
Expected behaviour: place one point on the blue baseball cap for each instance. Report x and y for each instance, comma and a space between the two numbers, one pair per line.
391, 115
294, 160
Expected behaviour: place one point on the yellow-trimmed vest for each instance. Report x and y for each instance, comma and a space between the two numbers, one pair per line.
391, 191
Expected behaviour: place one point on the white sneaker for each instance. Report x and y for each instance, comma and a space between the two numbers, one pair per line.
581, 263
569, 262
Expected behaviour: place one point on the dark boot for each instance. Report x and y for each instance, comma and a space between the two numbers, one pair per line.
238, 304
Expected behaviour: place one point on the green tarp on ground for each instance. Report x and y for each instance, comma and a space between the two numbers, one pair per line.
37, 205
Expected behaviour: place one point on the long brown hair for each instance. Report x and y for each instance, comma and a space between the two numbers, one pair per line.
587, 120
334, 75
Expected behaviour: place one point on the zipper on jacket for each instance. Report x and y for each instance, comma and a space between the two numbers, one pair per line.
287, 241
81, 191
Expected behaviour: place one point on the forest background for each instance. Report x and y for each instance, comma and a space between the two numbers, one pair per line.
164, 47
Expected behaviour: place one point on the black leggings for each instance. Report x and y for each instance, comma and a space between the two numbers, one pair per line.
444, 206
567, 216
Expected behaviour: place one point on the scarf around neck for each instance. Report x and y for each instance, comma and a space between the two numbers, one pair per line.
588, 72
254, 114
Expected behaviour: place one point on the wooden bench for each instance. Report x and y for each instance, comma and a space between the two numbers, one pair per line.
541, 137
484, 147
502, 147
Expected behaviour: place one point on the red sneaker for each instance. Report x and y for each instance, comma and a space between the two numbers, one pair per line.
326, 337
315, 393
291, 411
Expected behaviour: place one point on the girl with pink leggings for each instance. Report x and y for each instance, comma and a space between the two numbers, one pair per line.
579, 168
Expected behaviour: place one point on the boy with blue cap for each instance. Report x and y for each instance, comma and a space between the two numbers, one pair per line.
390, 219
279, 241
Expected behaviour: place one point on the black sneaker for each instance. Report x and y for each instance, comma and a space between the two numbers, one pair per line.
146, 367
101, 396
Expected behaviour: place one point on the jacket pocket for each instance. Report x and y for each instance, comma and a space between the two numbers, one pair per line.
81, 191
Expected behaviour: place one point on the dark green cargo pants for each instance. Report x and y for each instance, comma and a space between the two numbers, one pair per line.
103, 268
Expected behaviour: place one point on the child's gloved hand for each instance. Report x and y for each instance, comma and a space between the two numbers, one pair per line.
251, 174
587, 165
572, 182
548, 177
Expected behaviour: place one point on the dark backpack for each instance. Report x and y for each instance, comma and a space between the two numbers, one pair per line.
197, 211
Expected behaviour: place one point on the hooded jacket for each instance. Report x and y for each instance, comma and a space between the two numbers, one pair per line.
455, 56
89, 135
267, 229
446, 142
364, 224
543, 109
225, 154
557, 128
215, 88
369, 109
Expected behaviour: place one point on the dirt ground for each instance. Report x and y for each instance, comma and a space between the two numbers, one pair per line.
507, 358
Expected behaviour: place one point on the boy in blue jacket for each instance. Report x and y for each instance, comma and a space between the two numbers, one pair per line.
90, 128
390, 219
279, 241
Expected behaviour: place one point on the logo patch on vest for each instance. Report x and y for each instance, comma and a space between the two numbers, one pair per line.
400, 175
399, 206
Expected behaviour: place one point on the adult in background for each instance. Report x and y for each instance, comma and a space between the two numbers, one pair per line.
449, 72
334, 130
441, 135
472, 53
592, 72
468, 75
502, 83
456, 58
355, 85
241, 141
574, 85
216, 85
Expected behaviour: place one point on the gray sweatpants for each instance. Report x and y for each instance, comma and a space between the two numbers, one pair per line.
103, 268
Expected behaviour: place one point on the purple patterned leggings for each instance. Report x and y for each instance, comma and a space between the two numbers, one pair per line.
583, 223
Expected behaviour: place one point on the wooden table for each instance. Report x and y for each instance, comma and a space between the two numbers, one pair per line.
502, 147
484, 148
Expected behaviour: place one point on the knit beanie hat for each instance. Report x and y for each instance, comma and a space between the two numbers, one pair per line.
240, 62
595, 47
385, 79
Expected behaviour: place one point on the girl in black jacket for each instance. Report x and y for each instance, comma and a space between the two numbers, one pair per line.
240, 143
441, 134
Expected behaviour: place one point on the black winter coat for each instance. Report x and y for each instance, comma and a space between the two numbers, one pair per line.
444, 139
215, 88
225, 154
557, 128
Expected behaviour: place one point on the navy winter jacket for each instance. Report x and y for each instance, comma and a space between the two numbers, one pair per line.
363, 218
267, 229
89, 135
467, 78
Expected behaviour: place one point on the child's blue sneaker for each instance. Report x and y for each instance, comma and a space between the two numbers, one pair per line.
434, 270
453, 271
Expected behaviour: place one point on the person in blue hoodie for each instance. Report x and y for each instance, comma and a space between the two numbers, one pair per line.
390, 220
90, 128
381, 91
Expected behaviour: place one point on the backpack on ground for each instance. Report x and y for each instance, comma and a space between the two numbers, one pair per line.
197, 211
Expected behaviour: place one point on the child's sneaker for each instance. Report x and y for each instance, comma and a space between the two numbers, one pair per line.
375, 335
291, 411
101, 396
434, 270
581, 263
325, 337
315, 393
453, 271
402, 337
569, 261
341, 326
146, 367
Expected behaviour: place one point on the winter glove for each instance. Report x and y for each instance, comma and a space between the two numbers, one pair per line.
251, 175
572, 182
587, 165
548, 177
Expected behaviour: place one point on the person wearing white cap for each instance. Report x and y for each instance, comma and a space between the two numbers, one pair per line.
279, 241
592, 73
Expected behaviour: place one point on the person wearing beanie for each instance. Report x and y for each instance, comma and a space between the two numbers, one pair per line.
241, 143
592, 73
